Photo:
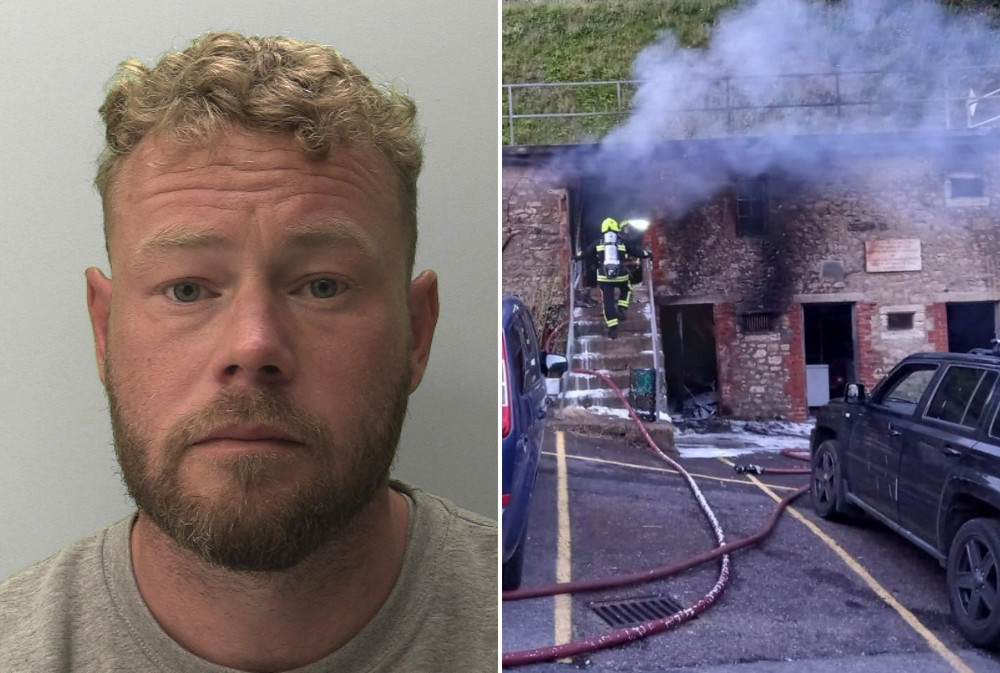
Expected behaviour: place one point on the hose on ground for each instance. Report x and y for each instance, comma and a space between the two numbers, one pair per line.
796, 454
518, 658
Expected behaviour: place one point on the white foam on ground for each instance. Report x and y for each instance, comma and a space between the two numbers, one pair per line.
741, 441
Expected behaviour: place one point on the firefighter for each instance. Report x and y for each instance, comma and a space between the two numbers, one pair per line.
612, 275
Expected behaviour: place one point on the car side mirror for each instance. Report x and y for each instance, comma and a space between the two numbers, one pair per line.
854, 393
554, 365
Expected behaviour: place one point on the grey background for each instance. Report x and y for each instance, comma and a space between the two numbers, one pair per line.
58, 475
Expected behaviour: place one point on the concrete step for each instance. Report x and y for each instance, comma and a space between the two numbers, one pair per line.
625, 344
589, 382
583, 396
601, 361
583, 421
590, 327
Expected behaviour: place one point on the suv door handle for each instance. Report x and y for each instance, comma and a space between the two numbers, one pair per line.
893, 432
950, 450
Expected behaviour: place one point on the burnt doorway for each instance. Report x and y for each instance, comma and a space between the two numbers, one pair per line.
828, 330
971, 324
690, 366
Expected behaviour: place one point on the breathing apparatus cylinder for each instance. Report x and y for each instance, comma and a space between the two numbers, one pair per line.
610, 264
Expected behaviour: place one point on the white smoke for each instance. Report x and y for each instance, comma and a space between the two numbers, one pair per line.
778, 70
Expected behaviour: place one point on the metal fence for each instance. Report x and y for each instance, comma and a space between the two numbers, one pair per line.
569, 112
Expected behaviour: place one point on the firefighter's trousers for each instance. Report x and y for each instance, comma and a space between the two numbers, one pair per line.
608, 290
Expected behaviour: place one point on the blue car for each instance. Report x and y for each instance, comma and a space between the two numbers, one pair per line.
522, 408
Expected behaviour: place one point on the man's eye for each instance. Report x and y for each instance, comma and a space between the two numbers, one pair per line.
184, 292
324, 288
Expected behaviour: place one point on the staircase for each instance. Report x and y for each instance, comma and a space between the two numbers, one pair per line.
616, 358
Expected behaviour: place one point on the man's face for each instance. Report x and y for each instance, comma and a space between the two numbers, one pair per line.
258, 341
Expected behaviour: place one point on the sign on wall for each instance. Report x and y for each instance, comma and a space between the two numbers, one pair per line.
892, 254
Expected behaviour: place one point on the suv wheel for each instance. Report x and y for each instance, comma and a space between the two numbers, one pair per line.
973, 577
826, 483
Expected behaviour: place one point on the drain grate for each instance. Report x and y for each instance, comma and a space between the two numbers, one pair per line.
633, 611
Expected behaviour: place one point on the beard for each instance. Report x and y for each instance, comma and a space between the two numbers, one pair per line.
253, 519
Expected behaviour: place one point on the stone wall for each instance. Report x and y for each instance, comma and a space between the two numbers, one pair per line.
815, 228
810, 226
813, 251
535, 244
761, 375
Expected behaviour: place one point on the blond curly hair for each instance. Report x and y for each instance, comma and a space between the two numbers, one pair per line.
225, 80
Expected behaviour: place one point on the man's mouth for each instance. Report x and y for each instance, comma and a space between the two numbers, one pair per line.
247, 437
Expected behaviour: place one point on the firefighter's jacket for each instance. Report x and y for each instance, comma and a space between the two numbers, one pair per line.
612, 272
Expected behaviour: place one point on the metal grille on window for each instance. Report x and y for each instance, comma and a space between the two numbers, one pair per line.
759, 322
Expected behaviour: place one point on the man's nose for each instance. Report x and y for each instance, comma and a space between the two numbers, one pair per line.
255, 340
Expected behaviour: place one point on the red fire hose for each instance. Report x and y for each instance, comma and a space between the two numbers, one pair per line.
519, 658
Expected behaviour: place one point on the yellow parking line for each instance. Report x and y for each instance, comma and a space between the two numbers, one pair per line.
563, 606
650, 468
911, 619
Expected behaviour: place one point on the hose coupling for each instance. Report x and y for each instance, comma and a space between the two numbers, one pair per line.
749, 469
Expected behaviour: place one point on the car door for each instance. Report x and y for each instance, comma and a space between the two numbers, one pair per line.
873, 452
939, 444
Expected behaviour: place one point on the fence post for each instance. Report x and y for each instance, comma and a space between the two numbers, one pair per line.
729, 110
947, 102
510, 112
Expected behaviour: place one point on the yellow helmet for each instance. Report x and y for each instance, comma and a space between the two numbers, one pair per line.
610, 224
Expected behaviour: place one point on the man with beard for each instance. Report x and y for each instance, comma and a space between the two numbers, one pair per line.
258, 340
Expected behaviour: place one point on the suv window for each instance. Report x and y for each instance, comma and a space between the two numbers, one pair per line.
515, 350
995, 428
903, 391
962, 395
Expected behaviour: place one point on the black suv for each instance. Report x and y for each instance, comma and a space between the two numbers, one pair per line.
921, 454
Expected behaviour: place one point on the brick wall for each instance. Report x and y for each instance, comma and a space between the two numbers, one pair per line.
937, 327
794, 363
869, 361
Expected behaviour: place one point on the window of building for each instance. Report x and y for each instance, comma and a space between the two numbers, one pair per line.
899, 321
966, 189
755, 323
751, 207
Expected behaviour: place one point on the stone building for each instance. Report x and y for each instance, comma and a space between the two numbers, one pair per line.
781, 269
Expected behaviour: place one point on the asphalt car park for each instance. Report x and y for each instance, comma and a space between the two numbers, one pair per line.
815, 595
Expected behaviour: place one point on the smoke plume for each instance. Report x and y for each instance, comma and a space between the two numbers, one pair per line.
778, 70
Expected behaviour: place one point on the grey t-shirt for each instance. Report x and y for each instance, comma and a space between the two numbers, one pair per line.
80, 610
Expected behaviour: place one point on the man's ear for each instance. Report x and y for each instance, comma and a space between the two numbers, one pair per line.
423, 319
99, 306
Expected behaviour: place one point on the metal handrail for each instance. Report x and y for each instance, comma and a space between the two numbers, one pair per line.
647, 274
573, 276
839, 100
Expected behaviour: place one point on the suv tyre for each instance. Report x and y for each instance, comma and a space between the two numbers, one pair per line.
826, 483
973, 577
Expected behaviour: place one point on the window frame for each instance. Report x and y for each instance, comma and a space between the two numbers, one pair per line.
966, 201
751, 223
892, 380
